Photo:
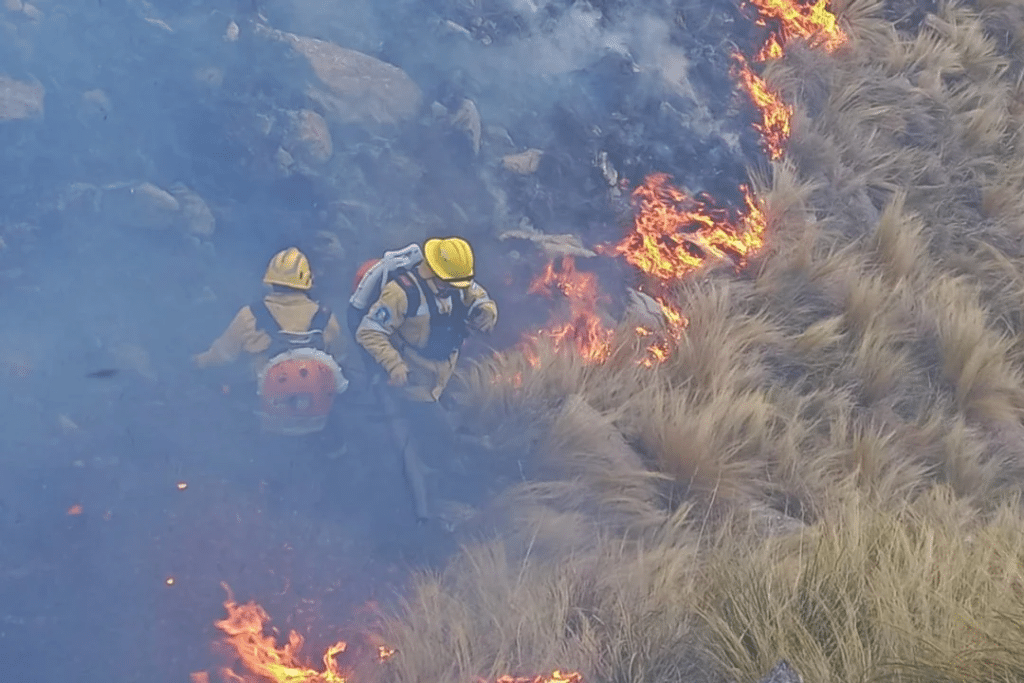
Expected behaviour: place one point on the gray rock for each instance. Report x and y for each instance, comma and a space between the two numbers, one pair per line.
196, 216
782, 673
308, 138
354, 87
140, 205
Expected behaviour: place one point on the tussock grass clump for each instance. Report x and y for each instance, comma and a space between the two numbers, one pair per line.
920, 593
613, 613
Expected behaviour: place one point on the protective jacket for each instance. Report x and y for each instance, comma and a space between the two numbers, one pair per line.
293, 311
409, 324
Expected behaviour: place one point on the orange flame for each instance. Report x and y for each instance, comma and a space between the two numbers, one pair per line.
260, 654
555, 677
675, 234
814, 22
584, 326
775, 114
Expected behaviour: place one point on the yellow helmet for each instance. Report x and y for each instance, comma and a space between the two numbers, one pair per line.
451, 259
289, 268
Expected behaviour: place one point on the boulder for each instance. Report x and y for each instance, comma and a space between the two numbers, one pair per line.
139, 205
308, 138
354, 87
467, 120
20, 100
523, 163
196, 217
143, 205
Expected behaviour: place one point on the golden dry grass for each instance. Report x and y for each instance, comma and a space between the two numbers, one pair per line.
865, 373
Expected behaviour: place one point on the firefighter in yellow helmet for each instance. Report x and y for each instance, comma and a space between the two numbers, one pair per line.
292, 341
414, 331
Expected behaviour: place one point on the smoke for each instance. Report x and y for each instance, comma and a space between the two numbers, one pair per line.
152, 97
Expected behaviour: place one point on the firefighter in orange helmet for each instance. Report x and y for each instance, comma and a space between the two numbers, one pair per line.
293, 342
414, 331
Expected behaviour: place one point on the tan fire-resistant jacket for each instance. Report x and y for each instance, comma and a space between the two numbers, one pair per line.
294, 311
392, 334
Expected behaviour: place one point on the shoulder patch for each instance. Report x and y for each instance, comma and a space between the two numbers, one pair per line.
382, 315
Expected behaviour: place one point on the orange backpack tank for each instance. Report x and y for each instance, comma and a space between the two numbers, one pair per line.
297, 390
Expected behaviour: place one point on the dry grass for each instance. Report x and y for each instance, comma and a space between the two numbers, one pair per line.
864, 373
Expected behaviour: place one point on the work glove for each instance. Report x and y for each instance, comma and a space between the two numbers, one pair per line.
399, 375
483, 318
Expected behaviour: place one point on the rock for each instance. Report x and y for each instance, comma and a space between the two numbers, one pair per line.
140, 205
523, 163
356, 88
95, 106
447, 27
20, 100
768, 522
644, 310
285, 161
467, 119
782, 673
611, 176
195, 214
552, 245
308, 139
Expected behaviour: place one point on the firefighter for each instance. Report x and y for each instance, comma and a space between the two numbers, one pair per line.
414, 330
292, 341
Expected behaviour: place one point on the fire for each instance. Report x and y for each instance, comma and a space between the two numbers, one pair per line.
584, 326
674, 234
264, 660
555, 677
814, 22
262, 657
775, 114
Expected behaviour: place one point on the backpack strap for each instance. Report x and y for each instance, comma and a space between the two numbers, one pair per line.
320, 319
264, 320
412, 293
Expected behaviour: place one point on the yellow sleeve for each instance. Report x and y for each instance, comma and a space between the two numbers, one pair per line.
333, 341
483, 311
240, 334
385, 316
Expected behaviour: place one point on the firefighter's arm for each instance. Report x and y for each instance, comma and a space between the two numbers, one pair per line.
333, 341
483, 311
385, 316
227, 347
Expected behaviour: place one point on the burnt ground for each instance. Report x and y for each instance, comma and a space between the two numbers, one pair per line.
311, 534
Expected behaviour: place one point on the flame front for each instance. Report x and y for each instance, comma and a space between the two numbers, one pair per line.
584, 326
675, 234
262, 657
813, 22
775, 114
